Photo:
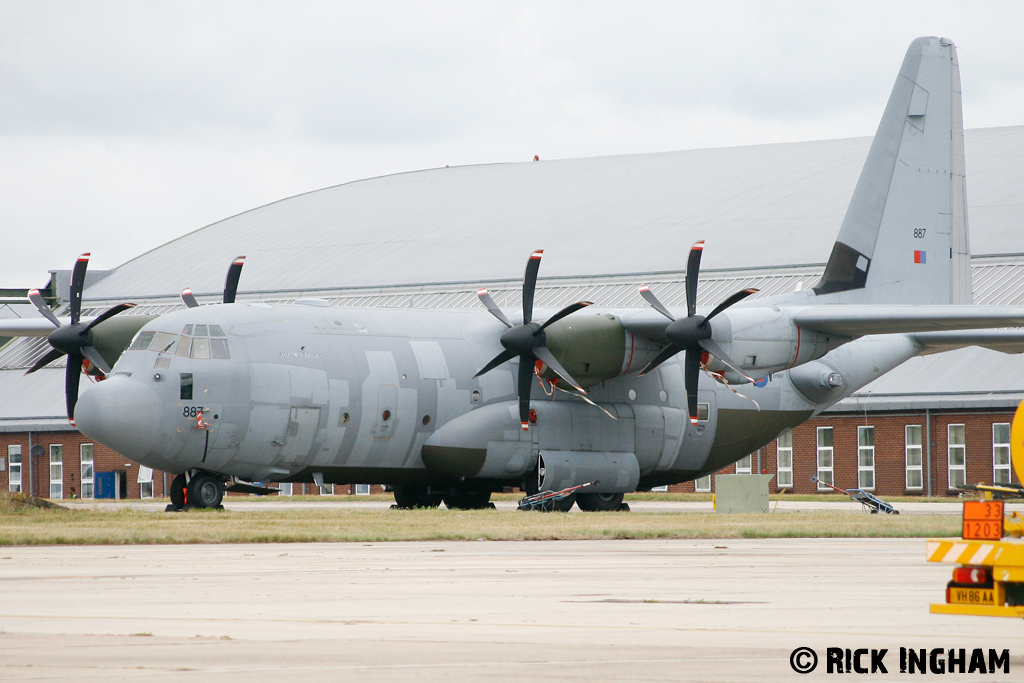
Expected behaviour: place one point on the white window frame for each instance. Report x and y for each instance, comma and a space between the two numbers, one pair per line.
912, 452
284, 488
866, 458
660, 489
1001, 453
327, 489
56, 471
87, 458
744, 465
784, 460
14, 469
362, 489
703, 484
957, 471
826, 474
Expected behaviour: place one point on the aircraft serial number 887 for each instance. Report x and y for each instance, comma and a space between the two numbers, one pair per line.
442, 404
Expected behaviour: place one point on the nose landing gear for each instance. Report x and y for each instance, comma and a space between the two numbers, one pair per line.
196, 489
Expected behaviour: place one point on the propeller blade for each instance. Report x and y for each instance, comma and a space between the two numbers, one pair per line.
487, 301
77, 285
231, 283
738, 296
51, 355
37, 300
692, 273
71, 379
665, 354
94, 357
109, 313
571, 308
549, 360
530, 285
525, 384
502, 357
188, 298
715, 350
691, 375
649, 297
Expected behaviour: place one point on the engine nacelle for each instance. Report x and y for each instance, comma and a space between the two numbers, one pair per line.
595, 348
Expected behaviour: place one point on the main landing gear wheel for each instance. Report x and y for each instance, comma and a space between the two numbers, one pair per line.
205, 491
177, 493
408, 497
599, 502
468, 500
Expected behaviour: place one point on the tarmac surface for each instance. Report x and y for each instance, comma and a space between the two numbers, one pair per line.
727, 610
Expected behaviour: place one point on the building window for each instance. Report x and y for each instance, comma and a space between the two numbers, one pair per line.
957, 445
327, 489
824, 458
362, 489
56, 470
660, 489
866, 457
743, 465
285, 489
703, 485
915, 480
86, 455
145, 479
784, 460
1001, 453
14, 468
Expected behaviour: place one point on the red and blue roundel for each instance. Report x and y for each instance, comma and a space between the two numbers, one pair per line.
763, 382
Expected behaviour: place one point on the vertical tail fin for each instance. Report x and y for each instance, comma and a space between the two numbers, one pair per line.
904, 237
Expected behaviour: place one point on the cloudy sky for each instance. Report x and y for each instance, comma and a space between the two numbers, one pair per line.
126, 124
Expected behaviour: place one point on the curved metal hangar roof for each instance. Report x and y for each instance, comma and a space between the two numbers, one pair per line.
757, 206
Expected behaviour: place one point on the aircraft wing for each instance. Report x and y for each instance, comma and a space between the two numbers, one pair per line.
856, 320
31, 327
1004, 341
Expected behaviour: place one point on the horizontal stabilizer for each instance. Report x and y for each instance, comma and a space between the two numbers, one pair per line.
858, 321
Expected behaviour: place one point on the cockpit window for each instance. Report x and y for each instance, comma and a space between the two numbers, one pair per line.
200, 346
187, 330
163, 342
219, 349
200, 331
142, 341
183, 346
216, 331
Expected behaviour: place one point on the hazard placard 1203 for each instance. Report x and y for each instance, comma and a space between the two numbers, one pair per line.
983, 520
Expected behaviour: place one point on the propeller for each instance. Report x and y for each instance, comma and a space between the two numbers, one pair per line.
74, 340
527, 340
692, 333
230, 285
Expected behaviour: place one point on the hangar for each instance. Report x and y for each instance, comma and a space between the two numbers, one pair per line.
769, 214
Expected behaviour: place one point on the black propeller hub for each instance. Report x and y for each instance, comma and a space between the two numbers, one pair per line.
71, 338
688, 331
523, 339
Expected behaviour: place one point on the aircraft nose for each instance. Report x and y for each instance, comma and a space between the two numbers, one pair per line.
120, 413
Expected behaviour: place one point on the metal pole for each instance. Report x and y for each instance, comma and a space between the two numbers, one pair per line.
928, 440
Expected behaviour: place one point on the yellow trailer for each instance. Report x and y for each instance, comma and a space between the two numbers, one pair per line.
989, 577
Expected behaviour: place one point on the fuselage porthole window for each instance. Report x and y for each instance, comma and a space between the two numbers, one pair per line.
186, 386
703, 412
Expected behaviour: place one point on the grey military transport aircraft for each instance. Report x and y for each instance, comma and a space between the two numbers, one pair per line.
437, 403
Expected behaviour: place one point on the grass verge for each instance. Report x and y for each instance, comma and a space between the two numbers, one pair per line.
28, 525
